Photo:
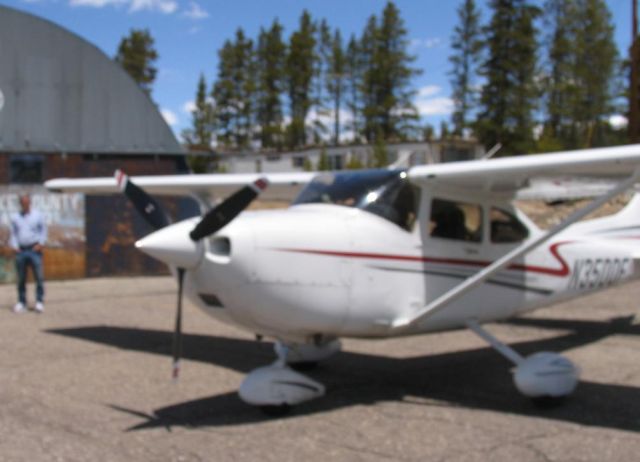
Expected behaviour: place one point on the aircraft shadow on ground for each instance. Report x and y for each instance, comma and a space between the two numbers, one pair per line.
477, 378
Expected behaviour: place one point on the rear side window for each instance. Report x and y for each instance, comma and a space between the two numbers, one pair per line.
506, 228
460, 221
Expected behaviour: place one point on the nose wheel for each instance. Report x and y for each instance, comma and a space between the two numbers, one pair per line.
306, 356
274, 389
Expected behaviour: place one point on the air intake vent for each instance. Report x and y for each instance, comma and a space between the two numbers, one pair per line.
220, 246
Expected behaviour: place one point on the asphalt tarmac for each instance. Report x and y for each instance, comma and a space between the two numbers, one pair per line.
90, 380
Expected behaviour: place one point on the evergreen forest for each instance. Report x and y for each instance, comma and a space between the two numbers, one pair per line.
532, 76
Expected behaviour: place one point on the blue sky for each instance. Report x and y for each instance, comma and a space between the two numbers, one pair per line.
188, 34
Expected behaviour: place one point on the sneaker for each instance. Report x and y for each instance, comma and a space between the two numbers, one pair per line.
19, 308
39, 307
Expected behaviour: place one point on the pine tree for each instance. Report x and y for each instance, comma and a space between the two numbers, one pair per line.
137, 55
200, 135
300, 71
578, 97
322, 63
245, 82
270, 55
354, 163
467, 45
224, 96
510, 93
387, 77
234, 92
428, 133
323, 160
559, 84
596, 62
202, 117
336, 81
380, 154
354, 70
369, 84
445, 133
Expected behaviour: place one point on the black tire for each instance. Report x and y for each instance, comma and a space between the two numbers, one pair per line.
304, 366
548, 402
276, 410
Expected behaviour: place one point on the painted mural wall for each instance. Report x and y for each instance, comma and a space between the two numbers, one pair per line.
64, 255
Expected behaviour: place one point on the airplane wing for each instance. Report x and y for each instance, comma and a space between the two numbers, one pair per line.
536, 175
282, 186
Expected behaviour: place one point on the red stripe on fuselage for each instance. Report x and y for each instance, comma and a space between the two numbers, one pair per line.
563, 271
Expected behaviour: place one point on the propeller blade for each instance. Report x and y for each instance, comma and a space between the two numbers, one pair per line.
150, 210
177, 334
220, 216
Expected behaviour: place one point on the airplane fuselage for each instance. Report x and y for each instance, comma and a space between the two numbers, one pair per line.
338, 271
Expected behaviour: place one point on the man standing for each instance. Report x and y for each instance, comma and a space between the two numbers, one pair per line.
28, 236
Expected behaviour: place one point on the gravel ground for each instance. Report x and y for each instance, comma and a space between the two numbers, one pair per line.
90, 380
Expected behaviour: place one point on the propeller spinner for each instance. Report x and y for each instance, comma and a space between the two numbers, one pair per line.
175, 245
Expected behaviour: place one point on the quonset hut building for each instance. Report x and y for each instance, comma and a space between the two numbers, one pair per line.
68, 110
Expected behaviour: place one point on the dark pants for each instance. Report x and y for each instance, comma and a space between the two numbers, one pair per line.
24, 260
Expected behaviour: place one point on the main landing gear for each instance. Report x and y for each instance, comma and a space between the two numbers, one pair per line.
277, 387
545, 377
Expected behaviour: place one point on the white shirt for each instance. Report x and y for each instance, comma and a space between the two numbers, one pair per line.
27, 229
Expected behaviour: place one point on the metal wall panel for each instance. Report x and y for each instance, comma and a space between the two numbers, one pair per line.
62, 94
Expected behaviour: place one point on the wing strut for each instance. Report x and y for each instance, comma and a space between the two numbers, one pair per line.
445, 299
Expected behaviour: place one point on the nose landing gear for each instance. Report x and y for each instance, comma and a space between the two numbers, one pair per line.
277, 387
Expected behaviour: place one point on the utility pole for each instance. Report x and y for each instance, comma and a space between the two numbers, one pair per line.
634, 77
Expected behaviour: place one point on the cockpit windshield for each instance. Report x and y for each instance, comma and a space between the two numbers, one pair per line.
386, 193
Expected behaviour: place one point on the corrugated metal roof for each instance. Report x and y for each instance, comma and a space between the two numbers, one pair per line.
59, 93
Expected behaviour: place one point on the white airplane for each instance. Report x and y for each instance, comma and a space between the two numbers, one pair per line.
386, 253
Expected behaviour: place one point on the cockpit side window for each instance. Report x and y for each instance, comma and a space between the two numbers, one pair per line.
505, 227
456, 220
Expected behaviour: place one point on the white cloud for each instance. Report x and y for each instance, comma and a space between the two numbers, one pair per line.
428, 103
169, 116
188, 107
435, 106
618, 121
427, 43
97, 3
163, 6
196, 12
428, 91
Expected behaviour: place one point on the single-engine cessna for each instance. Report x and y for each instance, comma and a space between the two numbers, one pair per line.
385, 253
